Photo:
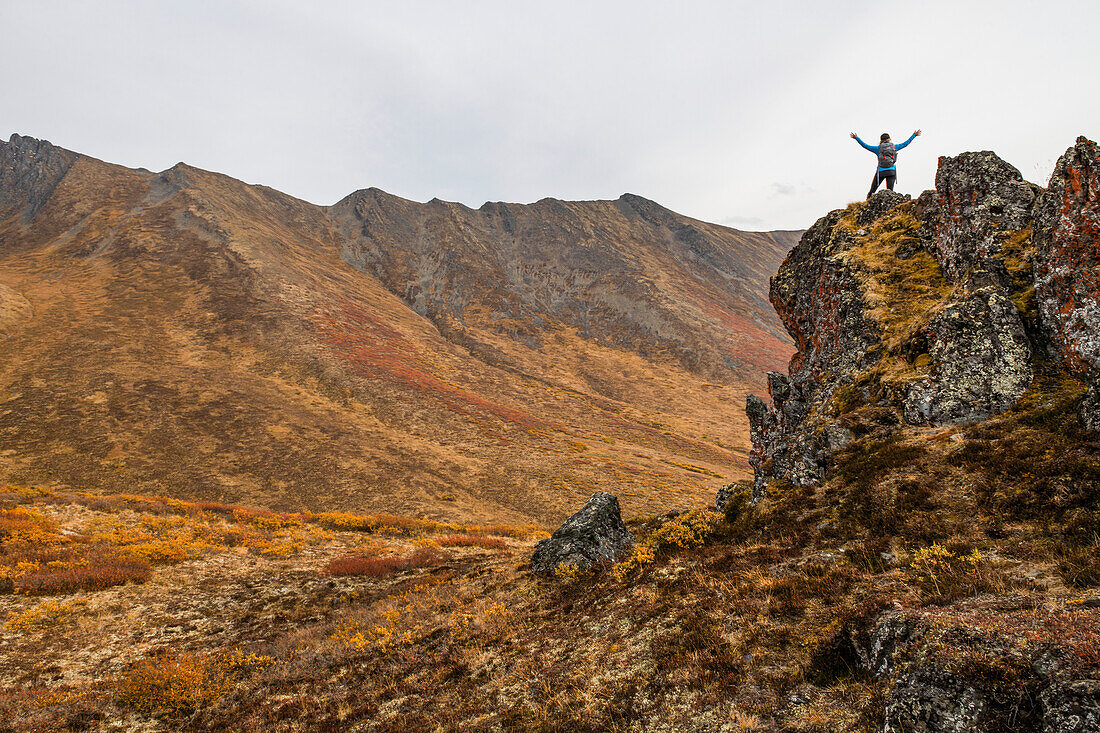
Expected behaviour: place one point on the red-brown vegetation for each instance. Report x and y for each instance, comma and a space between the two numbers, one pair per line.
470, 540
76, 567
379, 567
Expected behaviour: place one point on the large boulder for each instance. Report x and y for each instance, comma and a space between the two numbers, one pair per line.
978, 198
593, 535
980, 355
1066, 234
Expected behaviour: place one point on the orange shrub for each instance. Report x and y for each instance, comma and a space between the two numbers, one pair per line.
24, 527
470, 540
379, 567
381, 523
505, 530
71, 568
172, 685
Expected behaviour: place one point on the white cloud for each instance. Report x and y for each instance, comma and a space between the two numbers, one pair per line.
702, 106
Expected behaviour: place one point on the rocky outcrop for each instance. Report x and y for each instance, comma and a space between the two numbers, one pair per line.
820, 301
931, 699
980, 355
967, 353
1023, 689
1066, 234
1071, 707
593, 535
29, 171
978, 197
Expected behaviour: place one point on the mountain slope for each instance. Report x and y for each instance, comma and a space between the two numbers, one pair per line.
187, 334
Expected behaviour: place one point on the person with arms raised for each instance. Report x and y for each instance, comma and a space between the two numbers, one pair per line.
887, 154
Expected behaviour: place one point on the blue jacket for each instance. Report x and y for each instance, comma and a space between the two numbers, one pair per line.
874, 149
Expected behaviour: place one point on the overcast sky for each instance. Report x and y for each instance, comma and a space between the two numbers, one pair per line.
732, 112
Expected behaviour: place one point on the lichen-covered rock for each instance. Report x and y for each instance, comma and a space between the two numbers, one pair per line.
594, 534
1089, 409
779, 447
978, 196
732, 493
1071, 707
888, 637
878, 205
1066, 234
929, 699
980, 356
820, 300
821, 303
29, 170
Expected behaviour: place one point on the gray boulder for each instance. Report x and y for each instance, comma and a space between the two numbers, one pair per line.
978, 197
593, 535
981, 357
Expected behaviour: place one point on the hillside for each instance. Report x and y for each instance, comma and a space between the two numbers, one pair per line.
918, 552
185, 334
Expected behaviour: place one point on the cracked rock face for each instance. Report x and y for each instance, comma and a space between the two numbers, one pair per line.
820, 301
1066, 234
978, 196
981, 358
29, 171
594, 534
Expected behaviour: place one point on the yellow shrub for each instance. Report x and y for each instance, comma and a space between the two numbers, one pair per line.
570, 573
640, 556
277, 521
690, 529
945, 575
44, 615
172, 685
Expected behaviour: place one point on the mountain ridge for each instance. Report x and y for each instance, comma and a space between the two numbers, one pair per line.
197, 336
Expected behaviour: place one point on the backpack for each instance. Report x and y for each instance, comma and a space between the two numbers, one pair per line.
887, 156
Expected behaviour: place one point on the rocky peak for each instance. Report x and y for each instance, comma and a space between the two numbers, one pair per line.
978, 198
29, 170
929, 312
878, 205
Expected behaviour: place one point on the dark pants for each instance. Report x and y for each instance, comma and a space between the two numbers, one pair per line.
889, 176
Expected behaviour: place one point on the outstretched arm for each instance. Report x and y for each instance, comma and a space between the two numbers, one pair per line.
865, 145
911, 138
